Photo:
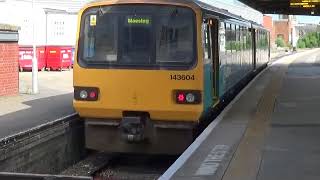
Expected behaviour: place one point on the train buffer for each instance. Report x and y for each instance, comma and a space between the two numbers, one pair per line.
269, 131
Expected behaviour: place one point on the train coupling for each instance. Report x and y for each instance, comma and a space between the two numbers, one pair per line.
132, 128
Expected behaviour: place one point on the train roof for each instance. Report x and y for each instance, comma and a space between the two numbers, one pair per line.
205, 7
211, 9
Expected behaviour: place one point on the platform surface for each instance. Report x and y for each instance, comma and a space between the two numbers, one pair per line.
269, 132
25, 110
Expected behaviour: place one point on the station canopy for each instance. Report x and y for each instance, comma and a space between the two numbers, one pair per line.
294, 7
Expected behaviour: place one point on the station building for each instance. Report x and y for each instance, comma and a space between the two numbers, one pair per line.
9, 82
284, 27
268, 24
55, 24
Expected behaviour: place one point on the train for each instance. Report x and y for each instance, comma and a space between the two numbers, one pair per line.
148, 72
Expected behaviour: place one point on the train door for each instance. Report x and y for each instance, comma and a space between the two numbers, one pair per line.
214, 28
209, 42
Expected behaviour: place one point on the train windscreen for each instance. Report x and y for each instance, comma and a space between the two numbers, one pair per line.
138, 36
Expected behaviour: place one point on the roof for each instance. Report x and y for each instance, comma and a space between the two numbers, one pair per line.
8, 27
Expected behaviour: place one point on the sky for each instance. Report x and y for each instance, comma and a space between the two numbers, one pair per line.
301, 19
309, 19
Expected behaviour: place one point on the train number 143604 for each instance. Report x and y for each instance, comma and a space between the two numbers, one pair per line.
179, 77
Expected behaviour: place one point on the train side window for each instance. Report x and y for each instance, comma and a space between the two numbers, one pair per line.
207, 40
245, 42
233, 38
243, 35
236, 45
229, 45
222, 37
237, 38
241, 44
228, 38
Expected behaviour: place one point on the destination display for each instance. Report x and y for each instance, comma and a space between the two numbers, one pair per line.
138, 20
304, 3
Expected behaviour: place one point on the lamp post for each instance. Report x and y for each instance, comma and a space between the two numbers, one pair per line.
35, 89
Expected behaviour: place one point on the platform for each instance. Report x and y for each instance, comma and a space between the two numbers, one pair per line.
270, 131
25, 111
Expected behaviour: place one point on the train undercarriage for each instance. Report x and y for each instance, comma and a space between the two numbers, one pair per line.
139, 134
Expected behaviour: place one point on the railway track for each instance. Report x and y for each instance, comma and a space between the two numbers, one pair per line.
144, 167
104, 166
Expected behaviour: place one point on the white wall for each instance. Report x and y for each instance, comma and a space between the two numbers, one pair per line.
19, 13
61, 29
68, 5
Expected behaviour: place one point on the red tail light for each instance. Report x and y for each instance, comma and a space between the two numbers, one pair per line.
92, 94
181, 97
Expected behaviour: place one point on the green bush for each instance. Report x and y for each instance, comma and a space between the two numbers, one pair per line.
301, 44
314, 41
280, 42
310, 40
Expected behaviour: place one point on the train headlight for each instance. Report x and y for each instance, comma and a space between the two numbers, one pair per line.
187, 96
190, 98
86, 93
83, 94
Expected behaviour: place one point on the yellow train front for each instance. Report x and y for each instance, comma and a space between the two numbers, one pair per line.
139, 77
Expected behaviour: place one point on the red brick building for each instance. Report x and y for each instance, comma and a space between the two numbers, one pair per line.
9, 52
284, 28
268, 24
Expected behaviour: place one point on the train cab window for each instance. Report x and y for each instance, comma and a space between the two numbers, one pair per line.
136, 43
103, 48
174, 38
146, 36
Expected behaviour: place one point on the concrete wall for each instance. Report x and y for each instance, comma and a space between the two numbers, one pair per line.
9, 75
47, 149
